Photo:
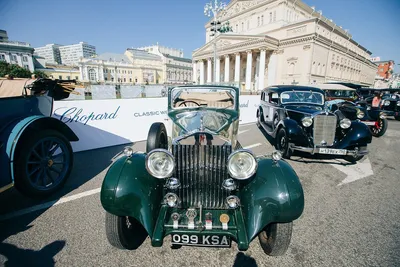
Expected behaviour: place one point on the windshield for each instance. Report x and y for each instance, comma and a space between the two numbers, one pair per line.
184, 97
202, 120
308, 97
341, 93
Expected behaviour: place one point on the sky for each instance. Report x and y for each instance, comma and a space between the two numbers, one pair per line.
113, 26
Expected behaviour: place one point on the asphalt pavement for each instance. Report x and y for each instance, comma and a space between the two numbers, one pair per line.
351, 216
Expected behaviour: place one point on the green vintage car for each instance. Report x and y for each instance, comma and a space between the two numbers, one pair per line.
200, 186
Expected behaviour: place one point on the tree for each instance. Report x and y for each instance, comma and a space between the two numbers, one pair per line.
40, 74
13, 70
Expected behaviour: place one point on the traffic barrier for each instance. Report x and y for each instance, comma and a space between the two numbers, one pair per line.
110, 122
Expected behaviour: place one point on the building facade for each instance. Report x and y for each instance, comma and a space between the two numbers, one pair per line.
19, 53
50, 52
385, 69
176, 68
280, 42
71, 54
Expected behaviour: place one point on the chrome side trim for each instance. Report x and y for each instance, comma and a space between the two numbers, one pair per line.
6, 187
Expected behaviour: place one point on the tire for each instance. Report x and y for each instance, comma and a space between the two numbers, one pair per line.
397, 118
275, 238
378, 132
259, 118
38, 172
353, 159
282, 143
157, 137
124, 232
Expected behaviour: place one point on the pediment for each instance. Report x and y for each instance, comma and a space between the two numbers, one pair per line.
238, 6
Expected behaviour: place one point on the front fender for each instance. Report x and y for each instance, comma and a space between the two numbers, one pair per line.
275, 194
358, 135
128, 190
295, 132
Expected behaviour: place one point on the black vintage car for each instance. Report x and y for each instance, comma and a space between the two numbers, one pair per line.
297, 118
390, 103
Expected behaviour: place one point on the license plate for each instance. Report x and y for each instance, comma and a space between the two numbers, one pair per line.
332, 151
201, 240
371, 123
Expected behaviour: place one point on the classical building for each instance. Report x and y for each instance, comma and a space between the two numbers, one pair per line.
176, 68
280, 42
148, 65
50, 52
14, 52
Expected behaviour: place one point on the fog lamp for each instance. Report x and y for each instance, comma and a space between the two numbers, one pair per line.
242, 164
232, 202
229, 184
345, 123
276, 155
160, 163
306, 121
171, 199
173, 183
128, 151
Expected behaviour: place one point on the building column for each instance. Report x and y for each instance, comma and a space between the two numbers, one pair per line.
261, 70
272, 66
248, 70
209, 72
227, 58
194, 71
81, 73
218, 70
201, 71
237, 67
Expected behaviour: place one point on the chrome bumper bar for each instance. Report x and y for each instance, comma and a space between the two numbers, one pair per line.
315, 150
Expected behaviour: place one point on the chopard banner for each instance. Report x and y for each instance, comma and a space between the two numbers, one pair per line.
103, 123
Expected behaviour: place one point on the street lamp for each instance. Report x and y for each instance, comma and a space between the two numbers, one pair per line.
214, 8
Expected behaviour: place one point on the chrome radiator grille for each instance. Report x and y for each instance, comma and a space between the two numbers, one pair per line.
201, 171
324, 129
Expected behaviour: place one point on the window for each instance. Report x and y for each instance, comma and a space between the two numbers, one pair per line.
14, 58
76, 78
275, 15
60, 77
105, 78
26, 67
68, 77
130, 80
124, 80
25, 59
237, 28
258, 21
2, 57
270, 17
242, 26
92, 75
262, 20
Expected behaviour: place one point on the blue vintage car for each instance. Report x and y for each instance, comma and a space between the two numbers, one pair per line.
35, 149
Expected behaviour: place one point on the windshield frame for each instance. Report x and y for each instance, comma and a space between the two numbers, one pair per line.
303, 91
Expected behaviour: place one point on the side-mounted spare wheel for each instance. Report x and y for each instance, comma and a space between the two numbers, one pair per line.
157, 137
124, 232
43, 163
275, 238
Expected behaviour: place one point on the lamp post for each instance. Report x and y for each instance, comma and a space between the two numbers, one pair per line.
214, 8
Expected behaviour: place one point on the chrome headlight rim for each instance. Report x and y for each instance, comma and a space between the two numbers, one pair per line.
251, 173
307, 121
345, 123
386, 103
360, 114
159, 176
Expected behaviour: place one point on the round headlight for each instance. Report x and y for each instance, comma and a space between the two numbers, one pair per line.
345, 123
386, 103
306, 121
398, 103
360, 114
160, 163
242, 164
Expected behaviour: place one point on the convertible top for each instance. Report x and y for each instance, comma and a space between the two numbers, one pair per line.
14, 87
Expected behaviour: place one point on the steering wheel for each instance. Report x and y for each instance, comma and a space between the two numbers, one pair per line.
188, 101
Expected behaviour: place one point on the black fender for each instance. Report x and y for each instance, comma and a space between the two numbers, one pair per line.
293, 130
128, 190
357, 135
273, 195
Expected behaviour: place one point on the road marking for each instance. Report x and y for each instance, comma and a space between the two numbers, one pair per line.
240, 132
253, 145
355, 172
48, 204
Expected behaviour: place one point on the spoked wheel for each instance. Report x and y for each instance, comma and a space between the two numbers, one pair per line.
157, 137
124, 232
43, 163
379, 128
282, 143
275, 238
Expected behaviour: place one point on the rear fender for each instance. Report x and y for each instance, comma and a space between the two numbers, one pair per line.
128, 190
275, 194
22, 129
358, 135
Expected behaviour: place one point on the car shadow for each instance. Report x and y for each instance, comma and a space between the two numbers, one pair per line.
242, 260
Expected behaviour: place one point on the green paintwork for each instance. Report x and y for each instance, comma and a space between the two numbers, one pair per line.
128, 190
274, 194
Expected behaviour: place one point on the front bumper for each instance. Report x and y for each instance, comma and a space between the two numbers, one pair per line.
335, 151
